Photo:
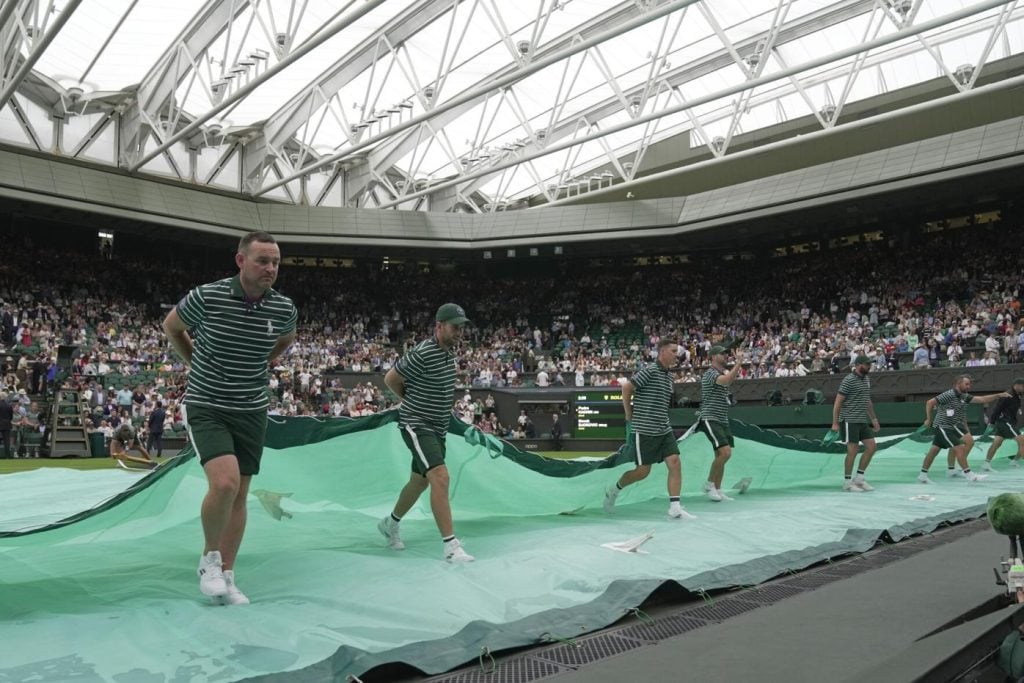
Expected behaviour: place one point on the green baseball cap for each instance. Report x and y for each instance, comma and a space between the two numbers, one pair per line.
716, 350
1018, 380
862, 360
451, 313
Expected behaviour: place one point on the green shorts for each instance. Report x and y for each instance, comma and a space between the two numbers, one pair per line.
855, 432
427, 448
1007, 430
718, 433
215, 432
654, 449
948, 437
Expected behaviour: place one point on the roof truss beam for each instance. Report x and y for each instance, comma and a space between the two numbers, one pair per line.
815, 63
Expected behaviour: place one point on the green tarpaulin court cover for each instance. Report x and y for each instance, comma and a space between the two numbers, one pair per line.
97, 568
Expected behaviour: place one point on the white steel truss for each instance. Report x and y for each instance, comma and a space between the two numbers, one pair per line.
563, 108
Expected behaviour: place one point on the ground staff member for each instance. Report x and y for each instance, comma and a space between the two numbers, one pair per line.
228, 332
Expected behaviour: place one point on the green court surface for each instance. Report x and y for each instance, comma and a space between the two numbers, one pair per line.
97, 568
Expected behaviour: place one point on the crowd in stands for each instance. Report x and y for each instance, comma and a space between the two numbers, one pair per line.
951, 298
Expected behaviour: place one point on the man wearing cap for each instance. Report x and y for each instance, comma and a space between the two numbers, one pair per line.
713, 418
947, 412
1004, 420
646, 398
853, 417
424, 379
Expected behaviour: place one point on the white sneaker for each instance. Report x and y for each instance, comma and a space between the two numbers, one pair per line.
715, 495
676, 511
233, 596
454, 553
852, 487
724, 497
609, 498
987, 467
389, 530
864, 486
972, 477
707, 486
211, 574
743, 485
954, 474
922, 478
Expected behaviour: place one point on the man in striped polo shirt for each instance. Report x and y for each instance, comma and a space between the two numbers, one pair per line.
646, 399
713, 418
1004, 421
853, 416
424, 379
947, 412
227, 332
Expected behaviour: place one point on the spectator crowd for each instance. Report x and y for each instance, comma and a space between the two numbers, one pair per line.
951, 298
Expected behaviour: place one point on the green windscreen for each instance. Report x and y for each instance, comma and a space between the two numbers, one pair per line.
97, 569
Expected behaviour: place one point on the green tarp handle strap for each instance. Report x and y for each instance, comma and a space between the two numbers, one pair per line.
830, 437
486, 652
989, 430
704, 594
352, 678
640, 614
547, 637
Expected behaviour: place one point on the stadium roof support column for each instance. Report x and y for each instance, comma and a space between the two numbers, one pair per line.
158, 86
37, 50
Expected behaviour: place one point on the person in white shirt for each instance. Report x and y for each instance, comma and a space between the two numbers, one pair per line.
954, 352
543, 380
580, 380
992, 345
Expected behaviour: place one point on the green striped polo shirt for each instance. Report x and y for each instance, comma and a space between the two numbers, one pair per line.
952, 409
856, 393
232, 338
714, 397
651, 400
429, 373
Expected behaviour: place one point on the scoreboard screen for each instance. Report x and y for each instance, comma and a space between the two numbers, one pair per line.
599, 414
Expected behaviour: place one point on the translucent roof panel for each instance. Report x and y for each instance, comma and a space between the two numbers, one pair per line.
120, 40
467, 103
